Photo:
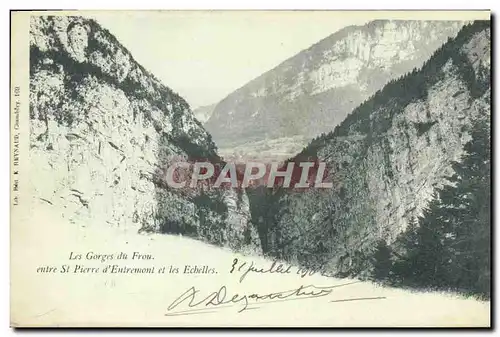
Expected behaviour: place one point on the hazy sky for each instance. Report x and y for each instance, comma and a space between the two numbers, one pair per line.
204, 56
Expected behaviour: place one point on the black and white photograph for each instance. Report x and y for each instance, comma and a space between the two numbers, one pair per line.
251, 169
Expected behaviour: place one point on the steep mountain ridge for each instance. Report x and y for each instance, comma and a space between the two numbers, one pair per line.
388, 157
103, 130
314, 90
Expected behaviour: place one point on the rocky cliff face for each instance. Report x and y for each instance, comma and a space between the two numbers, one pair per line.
313, 91
388, 157
103, 130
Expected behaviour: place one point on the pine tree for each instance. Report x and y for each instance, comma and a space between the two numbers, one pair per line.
450, 246
382, 261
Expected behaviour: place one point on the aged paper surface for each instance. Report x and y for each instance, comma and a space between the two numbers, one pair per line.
144, 146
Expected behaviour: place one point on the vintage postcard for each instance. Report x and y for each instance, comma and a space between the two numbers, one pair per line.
250, 169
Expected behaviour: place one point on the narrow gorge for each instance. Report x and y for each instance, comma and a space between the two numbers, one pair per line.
398, 107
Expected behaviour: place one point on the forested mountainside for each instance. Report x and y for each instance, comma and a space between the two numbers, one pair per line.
313, 91
103, 131
411, 170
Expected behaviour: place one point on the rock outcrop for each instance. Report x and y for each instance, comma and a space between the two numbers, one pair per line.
388, 158
103, 130
313, 91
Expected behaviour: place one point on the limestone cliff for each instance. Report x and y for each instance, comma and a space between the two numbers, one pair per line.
313, 91
103, 129
388, 157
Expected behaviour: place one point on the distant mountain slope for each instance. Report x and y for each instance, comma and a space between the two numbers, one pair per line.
203, 113
103, 132
389, 156
314, 90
